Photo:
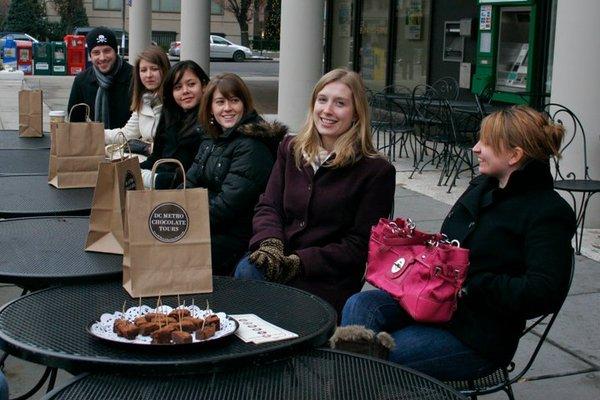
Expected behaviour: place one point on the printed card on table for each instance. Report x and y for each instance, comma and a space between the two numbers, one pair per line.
254, 329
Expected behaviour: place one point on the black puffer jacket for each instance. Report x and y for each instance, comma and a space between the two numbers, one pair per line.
235, 168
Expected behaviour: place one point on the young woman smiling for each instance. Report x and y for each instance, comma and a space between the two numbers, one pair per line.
328, 187
234, 160
178, 134
151, 66
518, 231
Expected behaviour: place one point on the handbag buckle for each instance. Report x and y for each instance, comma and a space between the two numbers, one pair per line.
398, 265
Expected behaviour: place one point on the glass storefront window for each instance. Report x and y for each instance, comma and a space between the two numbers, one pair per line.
412, 42
374, 43
342, 37
513, 49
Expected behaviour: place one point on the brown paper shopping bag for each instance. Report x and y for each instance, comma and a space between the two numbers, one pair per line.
76, 149
30, 113
167, 241
107, 216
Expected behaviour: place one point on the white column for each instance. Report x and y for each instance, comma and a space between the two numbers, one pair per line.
195, 31
140, 27
575, 84
300, 58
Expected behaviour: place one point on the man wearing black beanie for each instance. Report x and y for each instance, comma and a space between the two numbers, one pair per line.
106, 86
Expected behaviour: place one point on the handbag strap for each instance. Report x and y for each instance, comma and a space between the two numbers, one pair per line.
120, 146
167, 161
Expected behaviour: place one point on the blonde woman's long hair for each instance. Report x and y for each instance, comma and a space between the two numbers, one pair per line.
351, 145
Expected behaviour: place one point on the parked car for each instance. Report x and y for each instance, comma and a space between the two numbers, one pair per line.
219, 48
16, 36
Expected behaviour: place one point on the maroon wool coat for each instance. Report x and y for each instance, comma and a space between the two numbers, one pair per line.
325, 218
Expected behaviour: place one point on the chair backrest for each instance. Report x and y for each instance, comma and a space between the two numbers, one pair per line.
499, 379
466, 126
537, 321
430, 108
447, 87
574, 136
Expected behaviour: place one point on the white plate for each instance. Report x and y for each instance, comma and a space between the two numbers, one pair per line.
103, 329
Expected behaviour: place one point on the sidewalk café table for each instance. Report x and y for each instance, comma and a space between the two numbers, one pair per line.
50, 327
31, 195
44, 251
24, 161
316, 374
10, 140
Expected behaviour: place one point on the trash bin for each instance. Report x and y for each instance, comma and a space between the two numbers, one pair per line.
59, 58
42, 58
25, 57
10, 53
75, 53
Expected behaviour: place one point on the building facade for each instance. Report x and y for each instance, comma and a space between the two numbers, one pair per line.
166, 17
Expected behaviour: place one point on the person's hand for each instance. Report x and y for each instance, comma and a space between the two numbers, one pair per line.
290, 268
268, 258
139, 146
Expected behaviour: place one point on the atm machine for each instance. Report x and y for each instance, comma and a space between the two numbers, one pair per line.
509, 50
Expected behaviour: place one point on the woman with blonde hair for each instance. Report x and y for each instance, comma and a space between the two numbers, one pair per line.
328, 187
150, 68
518, 231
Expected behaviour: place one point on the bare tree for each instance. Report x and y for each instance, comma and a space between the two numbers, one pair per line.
243, 10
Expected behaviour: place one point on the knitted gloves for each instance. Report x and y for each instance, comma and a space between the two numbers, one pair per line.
268, 256
270, 259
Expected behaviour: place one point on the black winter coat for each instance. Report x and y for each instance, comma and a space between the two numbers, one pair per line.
173, 141
520, 251
234, 168
85, 87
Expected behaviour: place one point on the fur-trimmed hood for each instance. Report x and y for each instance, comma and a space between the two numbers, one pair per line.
270, 133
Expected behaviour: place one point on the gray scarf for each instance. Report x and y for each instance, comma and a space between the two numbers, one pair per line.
105, 81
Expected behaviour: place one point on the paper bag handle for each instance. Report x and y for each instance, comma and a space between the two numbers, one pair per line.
87, 111
166, 161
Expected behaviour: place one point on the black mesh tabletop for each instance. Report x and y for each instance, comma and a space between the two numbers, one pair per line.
11, 140
39, 252
24, 161
50, 327
31, 195
315, 374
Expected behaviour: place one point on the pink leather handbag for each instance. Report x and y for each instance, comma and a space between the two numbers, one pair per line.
423, 271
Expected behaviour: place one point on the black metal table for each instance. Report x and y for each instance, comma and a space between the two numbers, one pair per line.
317, 374
44, 251
10, 140
24, 161
49, 327
31, 195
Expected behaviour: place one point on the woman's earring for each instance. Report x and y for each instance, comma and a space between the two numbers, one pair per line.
211, 120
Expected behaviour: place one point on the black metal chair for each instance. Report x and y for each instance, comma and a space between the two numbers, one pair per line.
568, 181
432, 116
447, 87
466, 133
391, 119
503, 378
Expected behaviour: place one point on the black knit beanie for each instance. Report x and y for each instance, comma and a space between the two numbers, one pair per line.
101, 36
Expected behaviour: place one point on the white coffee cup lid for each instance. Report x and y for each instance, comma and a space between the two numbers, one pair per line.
58, 113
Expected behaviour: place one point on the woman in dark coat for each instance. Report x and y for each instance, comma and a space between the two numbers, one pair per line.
234, 160
328, 187
178, 133
518, 231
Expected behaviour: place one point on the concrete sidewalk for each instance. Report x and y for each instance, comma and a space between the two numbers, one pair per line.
568, 366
